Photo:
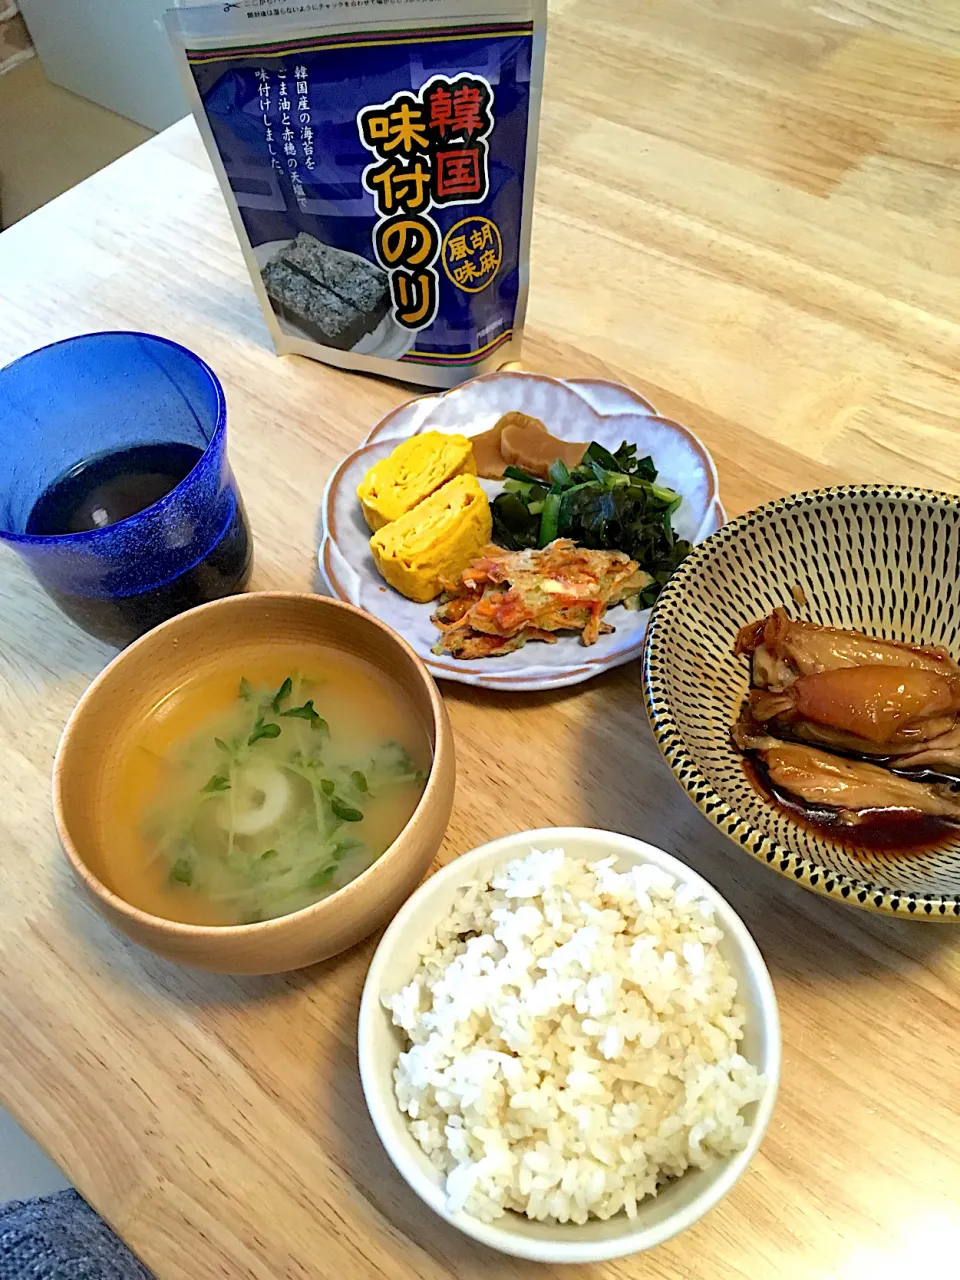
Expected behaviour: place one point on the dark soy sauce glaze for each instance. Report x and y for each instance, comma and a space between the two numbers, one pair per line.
886, 831
101, 491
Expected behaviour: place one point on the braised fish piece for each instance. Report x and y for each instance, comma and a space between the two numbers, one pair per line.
782, 649
941, 753
901, 753
880, 705
820, 695
819, 778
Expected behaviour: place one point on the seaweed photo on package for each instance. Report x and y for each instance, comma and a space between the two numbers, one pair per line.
378, 163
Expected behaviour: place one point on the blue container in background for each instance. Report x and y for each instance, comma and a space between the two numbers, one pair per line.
115, 487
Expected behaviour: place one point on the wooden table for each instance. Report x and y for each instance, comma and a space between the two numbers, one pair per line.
747, 209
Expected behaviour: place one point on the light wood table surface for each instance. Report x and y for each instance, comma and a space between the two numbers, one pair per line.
750, 211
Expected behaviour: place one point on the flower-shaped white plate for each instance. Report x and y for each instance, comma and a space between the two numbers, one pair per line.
576, 410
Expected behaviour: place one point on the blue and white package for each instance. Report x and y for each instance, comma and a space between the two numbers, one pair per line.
377, 157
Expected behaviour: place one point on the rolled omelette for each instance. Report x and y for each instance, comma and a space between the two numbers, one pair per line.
435, 541
416, 468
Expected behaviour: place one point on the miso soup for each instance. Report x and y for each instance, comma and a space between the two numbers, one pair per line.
263, 787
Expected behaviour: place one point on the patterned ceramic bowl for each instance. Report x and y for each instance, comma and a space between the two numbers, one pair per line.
877, 558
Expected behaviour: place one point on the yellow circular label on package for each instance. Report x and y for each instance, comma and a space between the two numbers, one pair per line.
471, 253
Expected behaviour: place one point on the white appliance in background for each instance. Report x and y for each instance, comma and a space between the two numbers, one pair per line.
114, 52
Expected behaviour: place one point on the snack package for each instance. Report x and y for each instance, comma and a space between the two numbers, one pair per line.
377, 157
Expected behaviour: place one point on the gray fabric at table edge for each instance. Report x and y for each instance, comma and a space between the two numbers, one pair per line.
59, 1237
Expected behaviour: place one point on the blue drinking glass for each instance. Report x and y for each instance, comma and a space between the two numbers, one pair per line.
115, 487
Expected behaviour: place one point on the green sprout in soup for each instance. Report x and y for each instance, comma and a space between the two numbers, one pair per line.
276, 809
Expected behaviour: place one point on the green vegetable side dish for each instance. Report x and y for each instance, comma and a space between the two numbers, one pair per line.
610, 502
272, 813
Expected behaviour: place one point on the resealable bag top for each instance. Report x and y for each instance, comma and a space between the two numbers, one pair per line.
377, 157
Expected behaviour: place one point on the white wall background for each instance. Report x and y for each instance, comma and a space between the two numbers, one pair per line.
24, 1169
114, 52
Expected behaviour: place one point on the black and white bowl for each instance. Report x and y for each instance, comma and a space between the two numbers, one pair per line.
875, 558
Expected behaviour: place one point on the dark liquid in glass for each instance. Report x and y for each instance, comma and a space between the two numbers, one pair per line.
110, 487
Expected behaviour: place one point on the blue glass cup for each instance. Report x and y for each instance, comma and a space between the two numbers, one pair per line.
115, 487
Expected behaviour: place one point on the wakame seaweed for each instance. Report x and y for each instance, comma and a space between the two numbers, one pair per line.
610, 502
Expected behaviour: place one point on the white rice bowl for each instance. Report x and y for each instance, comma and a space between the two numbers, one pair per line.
558, 1038
573, 1040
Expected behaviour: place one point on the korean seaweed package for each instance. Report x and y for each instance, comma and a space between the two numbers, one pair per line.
377, 157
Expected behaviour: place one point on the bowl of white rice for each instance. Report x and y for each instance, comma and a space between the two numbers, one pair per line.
569, 1045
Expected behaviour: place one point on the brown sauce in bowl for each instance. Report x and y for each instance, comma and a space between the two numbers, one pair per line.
894, 832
